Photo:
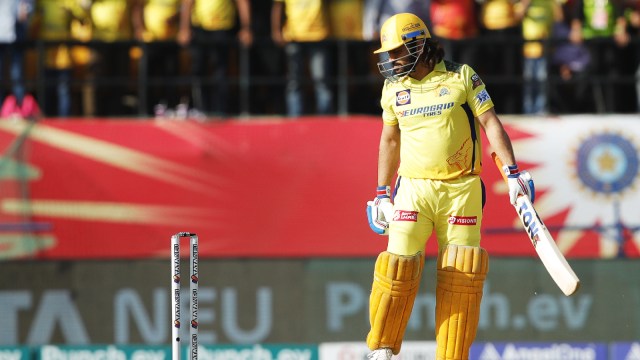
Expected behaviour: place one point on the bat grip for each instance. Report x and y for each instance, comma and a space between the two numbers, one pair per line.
499, 164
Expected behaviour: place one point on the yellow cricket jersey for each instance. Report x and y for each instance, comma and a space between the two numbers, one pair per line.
214, 15
498, 14
161, 19
54, 17
111, 20
306, 20
537, 25
346, 19
436, 115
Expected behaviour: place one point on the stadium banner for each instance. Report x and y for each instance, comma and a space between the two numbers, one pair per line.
625, 351
102, 352
15, 353
411, 350
117, 189
539, 351
219, 352
250, 301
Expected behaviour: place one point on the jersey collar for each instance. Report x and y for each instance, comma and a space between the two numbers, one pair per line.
439, 68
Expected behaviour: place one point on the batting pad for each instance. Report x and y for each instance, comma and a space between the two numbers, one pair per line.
461, 274
395, 284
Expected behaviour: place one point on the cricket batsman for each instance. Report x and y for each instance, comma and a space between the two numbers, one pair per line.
432, 112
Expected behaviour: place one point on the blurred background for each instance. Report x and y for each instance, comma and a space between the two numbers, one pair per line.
255, 124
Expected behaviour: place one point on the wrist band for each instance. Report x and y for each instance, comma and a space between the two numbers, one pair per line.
383, 192
510, 170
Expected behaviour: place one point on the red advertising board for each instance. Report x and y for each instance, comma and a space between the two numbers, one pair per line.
261, 188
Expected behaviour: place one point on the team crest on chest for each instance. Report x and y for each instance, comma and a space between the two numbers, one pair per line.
403, 97
444, 91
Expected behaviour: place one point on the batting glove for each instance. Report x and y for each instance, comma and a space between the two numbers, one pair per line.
380, 211
520, 183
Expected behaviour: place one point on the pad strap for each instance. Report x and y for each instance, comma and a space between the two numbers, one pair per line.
461, 274
395, 285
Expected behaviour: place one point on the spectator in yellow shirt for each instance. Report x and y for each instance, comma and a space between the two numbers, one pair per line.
53, 23
302, 28
112, 25
538, 18
208, 27
501, 56
356, 72
159, 21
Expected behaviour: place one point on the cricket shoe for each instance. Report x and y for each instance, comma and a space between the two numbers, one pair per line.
380, 354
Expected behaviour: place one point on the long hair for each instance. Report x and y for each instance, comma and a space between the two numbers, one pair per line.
433, 52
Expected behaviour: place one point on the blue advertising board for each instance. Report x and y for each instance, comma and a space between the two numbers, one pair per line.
538, 351
625, 351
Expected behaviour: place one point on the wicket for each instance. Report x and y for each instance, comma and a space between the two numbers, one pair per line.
175, 295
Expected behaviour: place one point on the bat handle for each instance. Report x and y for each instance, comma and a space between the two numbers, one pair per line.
499, 164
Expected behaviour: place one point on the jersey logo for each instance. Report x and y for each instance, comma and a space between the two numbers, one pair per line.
429, 110
476, 81
444, 91
403, 97
483, 96
463, 220
459, 159
404, 215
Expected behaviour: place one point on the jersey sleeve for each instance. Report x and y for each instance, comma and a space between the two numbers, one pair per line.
386, 102
477, 96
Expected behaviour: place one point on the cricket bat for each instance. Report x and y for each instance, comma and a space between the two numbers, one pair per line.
553, 260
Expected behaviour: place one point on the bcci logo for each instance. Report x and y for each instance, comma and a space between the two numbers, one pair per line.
403, 97
607, 163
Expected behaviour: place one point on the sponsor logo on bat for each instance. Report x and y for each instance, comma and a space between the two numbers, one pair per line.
528, 216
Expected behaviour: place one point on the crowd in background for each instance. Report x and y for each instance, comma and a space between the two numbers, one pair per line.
196, 58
